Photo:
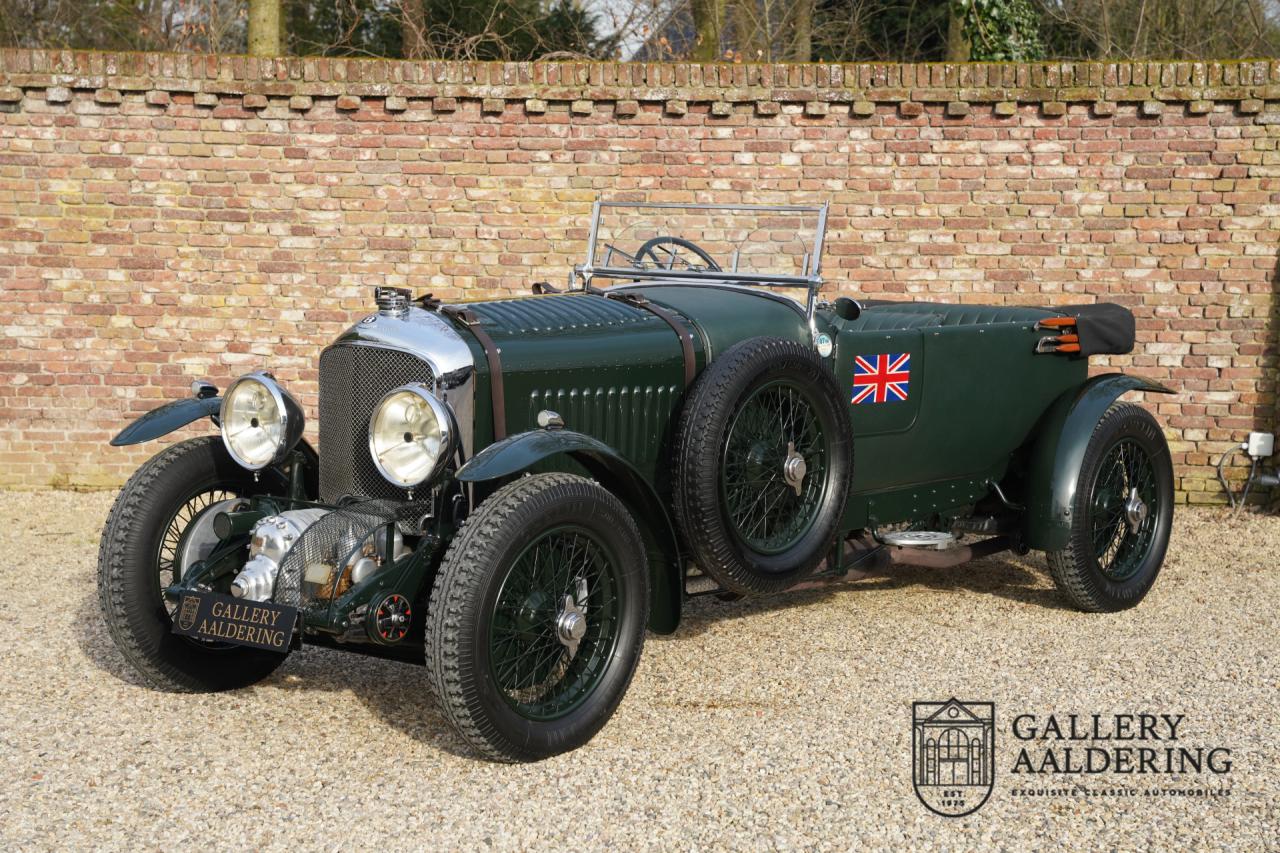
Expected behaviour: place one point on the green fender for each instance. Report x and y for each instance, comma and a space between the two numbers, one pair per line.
520, 452
1058, 452
166, 419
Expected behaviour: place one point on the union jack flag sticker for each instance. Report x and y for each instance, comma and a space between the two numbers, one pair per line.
882, 378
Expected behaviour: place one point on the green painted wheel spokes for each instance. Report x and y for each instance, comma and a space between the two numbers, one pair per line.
1124, 509
543, 661
765, 509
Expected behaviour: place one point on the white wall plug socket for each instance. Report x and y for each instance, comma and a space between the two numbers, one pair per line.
1260, 445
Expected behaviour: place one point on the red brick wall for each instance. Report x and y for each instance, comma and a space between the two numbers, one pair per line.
170, 217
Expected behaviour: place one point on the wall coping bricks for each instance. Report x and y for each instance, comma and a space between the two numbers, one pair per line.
1245, 81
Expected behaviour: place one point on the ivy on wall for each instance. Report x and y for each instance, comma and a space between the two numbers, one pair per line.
1000, 30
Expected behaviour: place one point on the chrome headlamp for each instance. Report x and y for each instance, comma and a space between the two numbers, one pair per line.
261, 422
411, 436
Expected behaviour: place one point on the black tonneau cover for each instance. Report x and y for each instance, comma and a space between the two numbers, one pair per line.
1104, 328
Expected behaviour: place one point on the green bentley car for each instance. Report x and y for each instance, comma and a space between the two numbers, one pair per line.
511, 492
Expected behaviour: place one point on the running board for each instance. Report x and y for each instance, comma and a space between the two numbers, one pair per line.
859, 558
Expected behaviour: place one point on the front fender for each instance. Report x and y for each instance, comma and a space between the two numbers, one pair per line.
166, 419
1058, 451
520, 452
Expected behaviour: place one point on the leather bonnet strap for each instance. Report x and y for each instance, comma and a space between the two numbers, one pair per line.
686, 338
497, 393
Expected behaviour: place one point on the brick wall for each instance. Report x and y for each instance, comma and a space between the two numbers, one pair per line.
170, 217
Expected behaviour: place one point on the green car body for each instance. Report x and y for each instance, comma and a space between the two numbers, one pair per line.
984, 408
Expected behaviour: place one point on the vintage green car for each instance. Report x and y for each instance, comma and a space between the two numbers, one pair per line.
511, 492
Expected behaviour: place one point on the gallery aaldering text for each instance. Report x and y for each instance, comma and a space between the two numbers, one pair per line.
1063, 751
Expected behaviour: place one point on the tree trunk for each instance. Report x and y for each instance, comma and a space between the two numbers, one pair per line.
264, 28
750, 33
957, 45
413, 23
708, 20
802, 35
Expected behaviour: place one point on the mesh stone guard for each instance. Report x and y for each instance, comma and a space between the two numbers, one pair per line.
342, 530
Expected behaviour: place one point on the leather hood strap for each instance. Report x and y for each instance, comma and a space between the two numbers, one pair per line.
686, 338
497, 393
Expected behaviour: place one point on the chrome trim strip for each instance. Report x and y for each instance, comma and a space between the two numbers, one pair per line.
789, 301
699, 275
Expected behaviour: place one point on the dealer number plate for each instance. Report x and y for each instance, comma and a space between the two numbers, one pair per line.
221, 618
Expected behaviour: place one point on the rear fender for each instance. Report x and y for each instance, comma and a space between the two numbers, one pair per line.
518, 453
1058, 451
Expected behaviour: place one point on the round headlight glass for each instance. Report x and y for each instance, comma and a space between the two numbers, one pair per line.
256, 421
410, 436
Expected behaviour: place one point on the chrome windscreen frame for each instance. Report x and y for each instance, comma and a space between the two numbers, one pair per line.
811, 279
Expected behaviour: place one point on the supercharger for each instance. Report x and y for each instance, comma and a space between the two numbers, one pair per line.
353, 558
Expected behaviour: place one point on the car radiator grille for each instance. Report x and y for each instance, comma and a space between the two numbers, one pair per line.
353, 379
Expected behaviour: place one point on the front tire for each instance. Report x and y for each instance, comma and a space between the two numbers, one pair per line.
139, 556
537, 617
1121, 516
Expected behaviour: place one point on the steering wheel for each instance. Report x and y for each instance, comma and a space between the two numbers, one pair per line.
652, 246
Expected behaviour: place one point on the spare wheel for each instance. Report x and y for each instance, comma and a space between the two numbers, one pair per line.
764, 456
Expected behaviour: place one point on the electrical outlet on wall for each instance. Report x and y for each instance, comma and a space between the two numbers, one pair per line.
1260, 445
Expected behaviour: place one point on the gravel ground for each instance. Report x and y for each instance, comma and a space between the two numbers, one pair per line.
781, 724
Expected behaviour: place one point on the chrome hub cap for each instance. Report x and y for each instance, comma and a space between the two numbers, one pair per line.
571, 625
1135, 511
794, 469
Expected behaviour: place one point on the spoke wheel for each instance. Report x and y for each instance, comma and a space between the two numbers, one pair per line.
1121, 514
775, 425
166, 502
537, 616
564, 583
168, 568
1124, 510
763, 464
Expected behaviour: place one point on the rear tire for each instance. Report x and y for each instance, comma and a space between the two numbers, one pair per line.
140, 537
506, 676
1121, 516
